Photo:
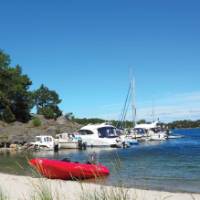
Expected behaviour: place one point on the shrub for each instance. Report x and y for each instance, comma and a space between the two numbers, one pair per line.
36, 121
50, 112
7, 115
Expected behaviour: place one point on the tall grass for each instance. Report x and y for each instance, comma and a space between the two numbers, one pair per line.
102, 192
105, 193
3, 196
44, 191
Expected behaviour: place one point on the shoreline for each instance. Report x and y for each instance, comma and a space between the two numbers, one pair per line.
20, 187
99, 183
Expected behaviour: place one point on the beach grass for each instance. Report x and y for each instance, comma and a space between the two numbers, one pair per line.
117, 192
3, 195
105, 193
43, 191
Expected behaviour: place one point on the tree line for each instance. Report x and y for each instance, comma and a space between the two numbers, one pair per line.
129, 124
16, 99
184, 124
117, 123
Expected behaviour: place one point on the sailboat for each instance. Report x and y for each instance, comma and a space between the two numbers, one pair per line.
128, 138
154, 131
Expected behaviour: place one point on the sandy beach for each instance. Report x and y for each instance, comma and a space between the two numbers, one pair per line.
24, 188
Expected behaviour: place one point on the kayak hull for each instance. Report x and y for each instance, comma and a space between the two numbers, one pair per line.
56, 169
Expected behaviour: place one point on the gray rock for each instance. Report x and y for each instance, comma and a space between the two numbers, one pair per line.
18, 132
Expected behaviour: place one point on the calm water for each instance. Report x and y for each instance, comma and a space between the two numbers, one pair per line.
172, 165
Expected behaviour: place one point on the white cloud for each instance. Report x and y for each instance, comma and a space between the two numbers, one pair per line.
168, 108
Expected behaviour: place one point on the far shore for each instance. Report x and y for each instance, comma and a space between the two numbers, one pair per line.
23, 188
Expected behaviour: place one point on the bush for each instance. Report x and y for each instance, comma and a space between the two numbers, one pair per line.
7, 115
36, 121
69, 116
50, 112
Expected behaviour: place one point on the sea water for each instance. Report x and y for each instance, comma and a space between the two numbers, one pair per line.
171, 165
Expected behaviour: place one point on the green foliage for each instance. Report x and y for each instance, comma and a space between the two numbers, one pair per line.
124, 124
36, 121
69, 116
44, 97
184, 124
50, 112
141, 121
3, 196
86, 121
42, 192
46, 102
129, 124
15, 99
105, 193
7, 115
4, 60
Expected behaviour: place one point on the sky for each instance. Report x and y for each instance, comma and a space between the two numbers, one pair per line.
85, 50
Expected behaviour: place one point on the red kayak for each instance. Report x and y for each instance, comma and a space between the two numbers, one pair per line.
57, 169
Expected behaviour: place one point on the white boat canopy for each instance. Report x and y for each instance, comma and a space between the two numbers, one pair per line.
147, 126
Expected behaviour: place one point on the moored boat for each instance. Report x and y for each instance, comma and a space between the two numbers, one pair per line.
66, 170
67, 141
43, 142
99, 135
153, 131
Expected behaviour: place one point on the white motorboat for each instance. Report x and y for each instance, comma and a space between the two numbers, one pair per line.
158, 136
153, 131
99, 135
43, 142
67, 141
138, 133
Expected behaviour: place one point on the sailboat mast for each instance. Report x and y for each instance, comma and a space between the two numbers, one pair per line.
153, 111
133, 101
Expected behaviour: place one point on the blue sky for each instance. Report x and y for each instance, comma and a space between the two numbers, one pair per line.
84, 50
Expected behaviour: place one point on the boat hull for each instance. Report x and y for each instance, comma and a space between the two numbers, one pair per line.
56, 169
68, 145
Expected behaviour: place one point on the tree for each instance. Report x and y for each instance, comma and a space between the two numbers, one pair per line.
8, 115
4, 60
141, 121
51, 112
15, 97
69, 116
46, 102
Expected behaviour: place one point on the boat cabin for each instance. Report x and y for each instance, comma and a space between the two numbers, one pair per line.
102, 131
45, 141
99, 135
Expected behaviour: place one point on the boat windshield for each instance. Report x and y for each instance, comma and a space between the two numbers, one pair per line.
107, 132
38, 139
139, 131
85, 132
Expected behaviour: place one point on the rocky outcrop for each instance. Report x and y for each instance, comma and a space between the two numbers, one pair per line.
18, 132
